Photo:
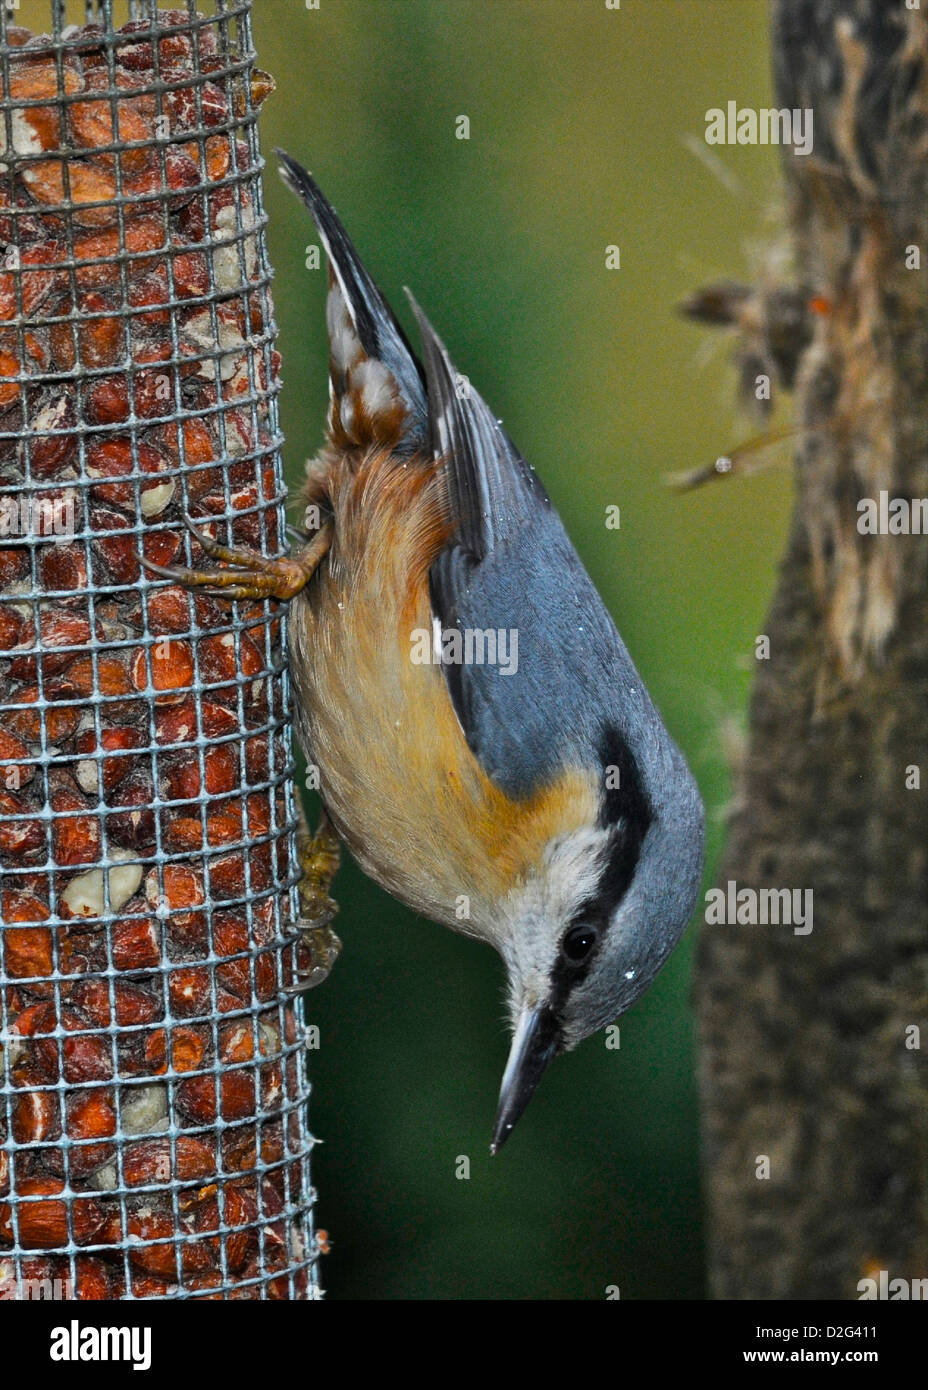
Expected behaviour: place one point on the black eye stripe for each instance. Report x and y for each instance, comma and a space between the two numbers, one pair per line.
566, 974
626, 811
623, 797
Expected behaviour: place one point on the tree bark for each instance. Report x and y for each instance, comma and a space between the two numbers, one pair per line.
808, 1054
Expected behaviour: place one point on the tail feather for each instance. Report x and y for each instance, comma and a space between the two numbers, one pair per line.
377, 385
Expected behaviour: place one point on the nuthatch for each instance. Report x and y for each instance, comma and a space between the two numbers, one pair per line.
537, 803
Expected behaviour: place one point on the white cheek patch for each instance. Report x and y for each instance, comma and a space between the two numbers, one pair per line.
573, 868
569, 875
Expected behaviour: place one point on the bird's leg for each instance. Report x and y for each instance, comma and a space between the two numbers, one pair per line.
320, 856
253, 576
317, 946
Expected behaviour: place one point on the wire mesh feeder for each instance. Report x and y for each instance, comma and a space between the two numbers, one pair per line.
152, 1084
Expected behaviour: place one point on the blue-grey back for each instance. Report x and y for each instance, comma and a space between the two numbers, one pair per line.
574, 681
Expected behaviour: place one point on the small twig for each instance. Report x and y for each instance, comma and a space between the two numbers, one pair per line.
726, 464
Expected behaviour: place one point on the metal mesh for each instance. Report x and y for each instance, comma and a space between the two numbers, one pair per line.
152, 1083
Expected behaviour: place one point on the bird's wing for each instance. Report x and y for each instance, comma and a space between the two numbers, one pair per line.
511, 580
549, 698
492, 490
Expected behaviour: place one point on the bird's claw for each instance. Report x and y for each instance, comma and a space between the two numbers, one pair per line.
317, 949
317, 946
252, 576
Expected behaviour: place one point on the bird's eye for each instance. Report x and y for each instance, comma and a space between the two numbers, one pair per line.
578, 943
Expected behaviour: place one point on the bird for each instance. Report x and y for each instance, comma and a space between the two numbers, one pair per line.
485, 746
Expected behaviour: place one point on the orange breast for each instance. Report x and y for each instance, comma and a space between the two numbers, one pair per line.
410, 798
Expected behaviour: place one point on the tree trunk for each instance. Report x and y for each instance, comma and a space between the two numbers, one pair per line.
809, 1046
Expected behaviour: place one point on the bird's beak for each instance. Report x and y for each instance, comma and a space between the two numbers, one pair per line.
534, 1044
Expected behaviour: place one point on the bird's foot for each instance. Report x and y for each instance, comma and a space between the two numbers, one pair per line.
253, 576
317, 947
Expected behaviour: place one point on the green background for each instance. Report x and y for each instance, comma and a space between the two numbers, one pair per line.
579, 117
577, 123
